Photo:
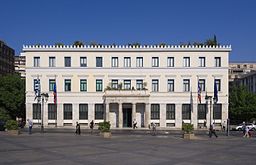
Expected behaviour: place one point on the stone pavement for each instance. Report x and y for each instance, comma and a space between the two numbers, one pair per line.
130, 149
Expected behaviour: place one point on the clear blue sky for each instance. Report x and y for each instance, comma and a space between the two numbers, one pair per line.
128, 21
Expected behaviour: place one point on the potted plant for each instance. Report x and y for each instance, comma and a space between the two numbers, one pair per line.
104, 128
188, 131
12, 127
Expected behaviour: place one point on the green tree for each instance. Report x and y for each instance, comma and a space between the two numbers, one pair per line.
212, 41
12, 96
78, 43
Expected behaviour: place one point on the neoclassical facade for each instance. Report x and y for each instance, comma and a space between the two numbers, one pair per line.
121, 84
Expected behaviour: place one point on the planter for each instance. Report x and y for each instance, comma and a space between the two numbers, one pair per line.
189, 136
13, 132
106, 134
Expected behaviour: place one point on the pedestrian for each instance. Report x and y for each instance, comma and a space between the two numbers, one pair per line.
91, 126
244, 128
212, 131
134, 124
247, 134
153, 128
205, 124
30, 125
78, 130
224, 127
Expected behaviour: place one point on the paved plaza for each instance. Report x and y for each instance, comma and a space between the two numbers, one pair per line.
130, 149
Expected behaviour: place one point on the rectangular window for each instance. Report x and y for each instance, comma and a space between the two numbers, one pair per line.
170, 111
201, 61
51, 84
186, 111
217, 61
67, 61
67, 85
155, 111
139, 84
114, 84
83, 111
155, 62
218, 84
36, 61
52, 62
186, 62
114, 62
83, 61
36, 111
201, 110
99, 111
99, 85
170, 61
186, 85
52, 111
201, 83
155, 85
139, 62
127, 61
127, 84
83, 85
99, 62
67, 110
217, 111
170, 85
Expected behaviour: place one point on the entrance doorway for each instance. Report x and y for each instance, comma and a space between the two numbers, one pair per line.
127, 117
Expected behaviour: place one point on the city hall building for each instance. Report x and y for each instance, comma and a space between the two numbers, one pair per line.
166, 85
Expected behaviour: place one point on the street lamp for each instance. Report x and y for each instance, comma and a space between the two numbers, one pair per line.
44, 97
207, 98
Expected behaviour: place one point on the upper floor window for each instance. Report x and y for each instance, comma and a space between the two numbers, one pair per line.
36, 61
67, 61
83, 85
83, 62
201, 61
127, 84
201, 83
52, 62
139, 62
67, 84
98, 85
114, 62
99, 62
127, 61
170, 86
155, 62
217, 61
139, 84
51, 84
186, 85
170, 62
114, 84
186, 62
155, 85
218, 84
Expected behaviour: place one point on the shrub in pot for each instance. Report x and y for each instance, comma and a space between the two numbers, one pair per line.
12, 127
104, 128
188, 130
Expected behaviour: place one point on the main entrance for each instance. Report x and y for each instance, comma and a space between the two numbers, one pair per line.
127, 117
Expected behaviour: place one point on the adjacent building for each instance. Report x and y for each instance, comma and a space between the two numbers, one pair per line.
239, 69
6, 59
162, 84
20, 64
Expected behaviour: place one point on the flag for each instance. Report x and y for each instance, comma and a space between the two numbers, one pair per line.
55, 93
215, 91
199, 93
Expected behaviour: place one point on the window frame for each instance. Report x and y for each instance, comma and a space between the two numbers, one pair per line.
67, 61
155, 61
83, 61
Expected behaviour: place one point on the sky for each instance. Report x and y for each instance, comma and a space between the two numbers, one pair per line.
46, 22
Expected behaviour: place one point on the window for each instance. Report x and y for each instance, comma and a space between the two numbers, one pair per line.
67, 110
186, 111
170, 62
201, 83
127, 61
67, 85
83, 111
139, 84
170, 111
201, 110
99, 111
52, 62
201, 61
127, 84
217, 111
154, 85
114, 61
67, 61
155, 111
139, 62
98, 61
83, 62
218, 84
114, 84
170, 85
36, 61
51, 84
186, 85
52, 111
155, 62
36, 111
83, 85
98, 85
217, 61
186, 62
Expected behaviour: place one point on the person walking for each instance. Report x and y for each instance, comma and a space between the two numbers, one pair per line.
247, 134
134, 124
30, 125
91, 126
154, 128
224, 126
212, 131
78, 130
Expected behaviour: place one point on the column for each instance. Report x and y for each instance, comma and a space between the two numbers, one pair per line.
208, 114
75, 114
29, 111
45, 120
133, 111
194, 117
178, 116
107, 112
90, 112
147, 114
162, 115
120, 115
59, 115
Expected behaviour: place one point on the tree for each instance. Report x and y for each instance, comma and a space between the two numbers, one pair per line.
12, 96
212, 41
78, 43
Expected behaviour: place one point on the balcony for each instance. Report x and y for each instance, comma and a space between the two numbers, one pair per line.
126, 93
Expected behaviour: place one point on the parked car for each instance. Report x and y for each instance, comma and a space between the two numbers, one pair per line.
2, 125
250, 125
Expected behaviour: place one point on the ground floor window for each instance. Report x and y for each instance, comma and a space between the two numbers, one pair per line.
52, 111
201, 111
99, 111
217, 111
155, 111
67, 111
186, 111
83, 111
36, 111
170, 111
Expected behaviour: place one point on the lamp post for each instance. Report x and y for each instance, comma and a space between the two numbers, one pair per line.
44, 97
207, 98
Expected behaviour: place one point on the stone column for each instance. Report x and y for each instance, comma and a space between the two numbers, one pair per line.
59, 115
107, 112
45, 114
147, 114
90, 112
120, 115
208, 115
75, 114
29, 111
194, 120
162, 115
178, 116
133, 111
